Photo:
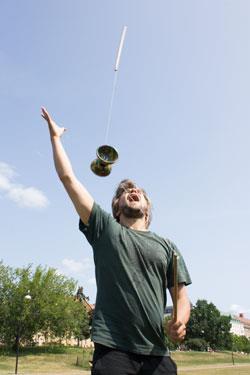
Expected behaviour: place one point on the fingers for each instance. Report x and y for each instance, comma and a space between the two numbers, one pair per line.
45, 114
177, 337
44, 110
177, 330
181, 332
55, 130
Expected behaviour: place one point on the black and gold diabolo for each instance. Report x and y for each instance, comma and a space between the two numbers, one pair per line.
106, 157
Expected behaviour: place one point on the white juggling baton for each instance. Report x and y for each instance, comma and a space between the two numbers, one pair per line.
119, 51
117, 62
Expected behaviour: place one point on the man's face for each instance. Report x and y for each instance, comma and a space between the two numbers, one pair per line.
132, 203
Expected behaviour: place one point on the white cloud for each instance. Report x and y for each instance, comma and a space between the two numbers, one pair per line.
6, 174
28, 197
77, 267
23, 196
6, 170
4, 183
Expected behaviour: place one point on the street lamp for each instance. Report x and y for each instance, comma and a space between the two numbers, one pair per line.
27, 297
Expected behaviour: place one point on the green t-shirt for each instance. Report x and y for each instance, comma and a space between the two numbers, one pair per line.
133, 269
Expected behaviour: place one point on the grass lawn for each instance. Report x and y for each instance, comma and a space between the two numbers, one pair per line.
40, 361
191, 363
44, 362
204, 358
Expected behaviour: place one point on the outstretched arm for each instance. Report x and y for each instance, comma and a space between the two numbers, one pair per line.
177, 329
80, 197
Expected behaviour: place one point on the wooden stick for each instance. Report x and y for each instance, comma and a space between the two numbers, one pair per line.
175, 298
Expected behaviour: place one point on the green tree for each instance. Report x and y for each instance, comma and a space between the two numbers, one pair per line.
6, 282
16, 325
240, 344
51, 308
15, 311
55, 303
224, 337
208, 324
81, 330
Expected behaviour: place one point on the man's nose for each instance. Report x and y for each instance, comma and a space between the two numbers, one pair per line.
135, 190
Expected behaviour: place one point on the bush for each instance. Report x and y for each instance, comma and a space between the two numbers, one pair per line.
171, 345
196, 344
240, 344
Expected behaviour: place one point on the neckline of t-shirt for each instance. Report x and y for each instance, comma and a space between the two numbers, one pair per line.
138, 230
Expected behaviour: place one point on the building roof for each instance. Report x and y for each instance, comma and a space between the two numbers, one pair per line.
89, 306
244, 320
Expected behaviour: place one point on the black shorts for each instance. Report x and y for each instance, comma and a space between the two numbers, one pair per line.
109, 361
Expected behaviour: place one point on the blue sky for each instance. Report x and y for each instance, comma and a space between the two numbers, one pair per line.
180, 122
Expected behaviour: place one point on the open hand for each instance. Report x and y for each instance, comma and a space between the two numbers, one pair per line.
176, 330
55, 130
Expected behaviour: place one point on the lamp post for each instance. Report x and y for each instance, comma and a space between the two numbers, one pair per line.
233, 362
27, 297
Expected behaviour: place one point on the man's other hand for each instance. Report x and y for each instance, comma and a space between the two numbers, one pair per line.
176, 330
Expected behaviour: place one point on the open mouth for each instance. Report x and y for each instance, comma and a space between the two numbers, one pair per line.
133, 197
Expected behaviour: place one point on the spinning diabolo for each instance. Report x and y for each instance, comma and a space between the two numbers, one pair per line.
106, 157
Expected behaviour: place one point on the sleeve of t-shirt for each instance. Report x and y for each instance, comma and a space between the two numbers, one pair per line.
98, 221
183, 274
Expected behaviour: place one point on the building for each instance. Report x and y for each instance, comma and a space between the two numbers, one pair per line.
237, 327
246, 324
240, 325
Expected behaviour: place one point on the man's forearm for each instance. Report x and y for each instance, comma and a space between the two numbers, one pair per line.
183, 308
61, 160
79, 195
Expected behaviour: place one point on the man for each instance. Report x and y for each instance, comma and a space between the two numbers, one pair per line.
133, 269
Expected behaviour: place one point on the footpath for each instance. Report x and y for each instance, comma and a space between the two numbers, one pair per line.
211, 367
